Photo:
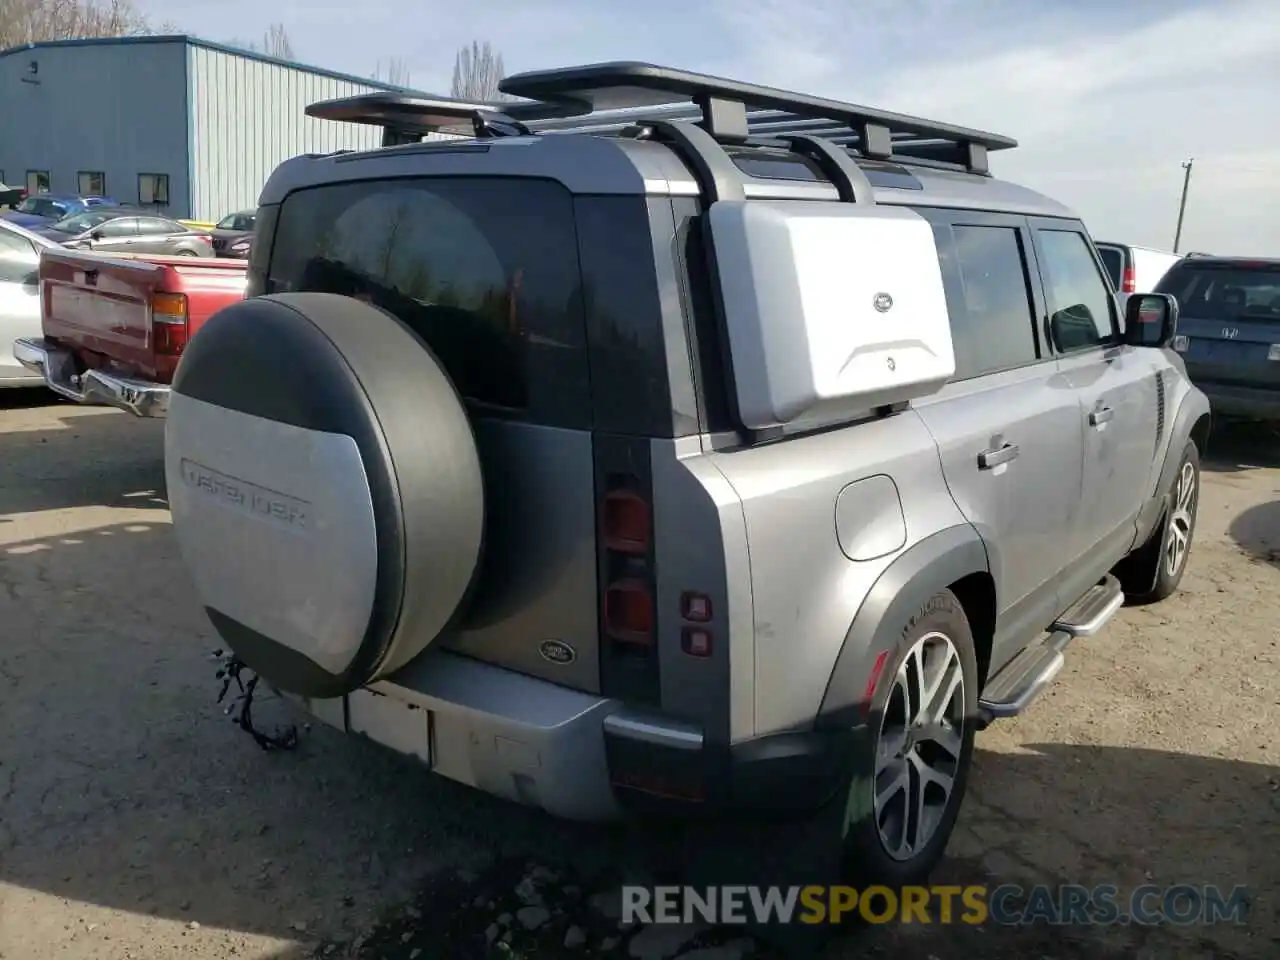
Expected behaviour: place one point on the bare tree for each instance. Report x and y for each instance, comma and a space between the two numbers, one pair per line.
274, 43
394, 72
35, 21
477, 71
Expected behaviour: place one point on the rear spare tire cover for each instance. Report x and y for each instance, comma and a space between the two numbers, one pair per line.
325, 488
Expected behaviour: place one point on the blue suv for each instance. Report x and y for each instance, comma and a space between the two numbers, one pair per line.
43, 209
1229, 331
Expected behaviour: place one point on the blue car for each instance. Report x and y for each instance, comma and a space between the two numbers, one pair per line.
1229, 331
43, 209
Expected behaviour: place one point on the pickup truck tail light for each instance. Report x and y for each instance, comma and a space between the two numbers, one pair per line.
170, 323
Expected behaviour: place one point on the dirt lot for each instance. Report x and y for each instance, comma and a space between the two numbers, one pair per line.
137, 822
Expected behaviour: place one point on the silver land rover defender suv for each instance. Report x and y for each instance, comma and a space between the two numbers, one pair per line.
676, 444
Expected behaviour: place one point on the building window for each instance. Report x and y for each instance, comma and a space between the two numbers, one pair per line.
153, 189
92, 183
37, 181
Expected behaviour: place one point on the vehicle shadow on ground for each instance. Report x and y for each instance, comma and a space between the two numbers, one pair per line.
1242, 445
31, 398
122, 785
1062, 815
1257, 532
76, 464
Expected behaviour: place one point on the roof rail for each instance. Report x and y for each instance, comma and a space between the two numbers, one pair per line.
722, 107
405, 118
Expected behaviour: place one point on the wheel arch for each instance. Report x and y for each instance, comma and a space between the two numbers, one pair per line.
953, 558
1193, 421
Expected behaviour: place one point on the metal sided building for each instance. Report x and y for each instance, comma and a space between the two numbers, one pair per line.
189, 128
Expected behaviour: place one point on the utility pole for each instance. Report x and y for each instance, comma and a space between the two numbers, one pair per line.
1182, 205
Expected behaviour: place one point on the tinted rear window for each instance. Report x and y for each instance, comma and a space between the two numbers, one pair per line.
1224, 293
484, 270
1113, 260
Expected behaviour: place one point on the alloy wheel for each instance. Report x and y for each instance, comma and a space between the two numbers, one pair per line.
918, 749
1178, 541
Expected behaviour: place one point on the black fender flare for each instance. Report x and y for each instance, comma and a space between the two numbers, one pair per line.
905, 586
1193, 408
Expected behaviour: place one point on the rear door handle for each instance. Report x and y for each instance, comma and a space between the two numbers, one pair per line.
1101, 416
996, 456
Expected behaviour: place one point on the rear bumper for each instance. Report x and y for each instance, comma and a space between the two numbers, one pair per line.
580, 756
1231, 400
97, 387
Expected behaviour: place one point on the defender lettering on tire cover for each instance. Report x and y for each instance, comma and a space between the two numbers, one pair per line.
297, 422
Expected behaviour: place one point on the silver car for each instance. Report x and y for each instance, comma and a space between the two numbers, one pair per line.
19, 297
122, 230
744, 461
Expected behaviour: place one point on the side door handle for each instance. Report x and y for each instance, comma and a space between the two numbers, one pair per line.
996, 456
1101, 416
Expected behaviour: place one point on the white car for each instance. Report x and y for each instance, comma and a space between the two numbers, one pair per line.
19, 297
1135, 269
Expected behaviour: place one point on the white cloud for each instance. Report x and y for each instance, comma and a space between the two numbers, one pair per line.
1105, 111
1106, 99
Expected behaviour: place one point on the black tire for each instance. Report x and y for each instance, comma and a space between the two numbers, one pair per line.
186, 253
865, 857
1149, 575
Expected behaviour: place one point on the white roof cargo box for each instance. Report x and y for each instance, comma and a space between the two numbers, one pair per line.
829, 306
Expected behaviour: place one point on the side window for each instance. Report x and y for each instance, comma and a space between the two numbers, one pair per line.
1081, 308
152, 226
1113, 260
994, 328
121, 227
485, 270
18, 259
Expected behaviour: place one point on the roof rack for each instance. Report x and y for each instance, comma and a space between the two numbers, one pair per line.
405, 118
722, 108
641, 100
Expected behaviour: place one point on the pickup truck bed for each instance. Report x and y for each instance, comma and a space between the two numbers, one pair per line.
115, 327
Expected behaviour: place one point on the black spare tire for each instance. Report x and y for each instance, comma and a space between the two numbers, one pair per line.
325, 488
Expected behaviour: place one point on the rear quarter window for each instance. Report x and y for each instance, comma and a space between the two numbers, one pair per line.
484, 270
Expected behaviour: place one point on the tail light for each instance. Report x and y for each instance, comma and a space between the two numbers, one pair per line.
628, 614
1127, 282
626, 524
170, 323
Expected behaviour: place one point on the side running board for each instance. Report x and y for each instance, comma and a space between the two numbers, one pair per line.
1025, 677
1088, 615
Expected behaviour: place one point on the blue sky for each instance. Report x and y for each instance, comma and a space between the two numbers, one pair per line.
1106, 99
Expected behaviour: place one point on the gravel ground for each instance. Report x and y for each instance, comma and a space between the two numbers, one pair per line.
137, 822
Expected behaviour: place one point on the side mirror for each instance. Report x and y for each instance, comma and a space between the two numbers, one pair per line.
1150, 319
95, 235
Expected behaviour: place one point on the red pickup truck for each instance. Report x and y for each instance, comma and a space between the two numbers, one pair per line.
115, 326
